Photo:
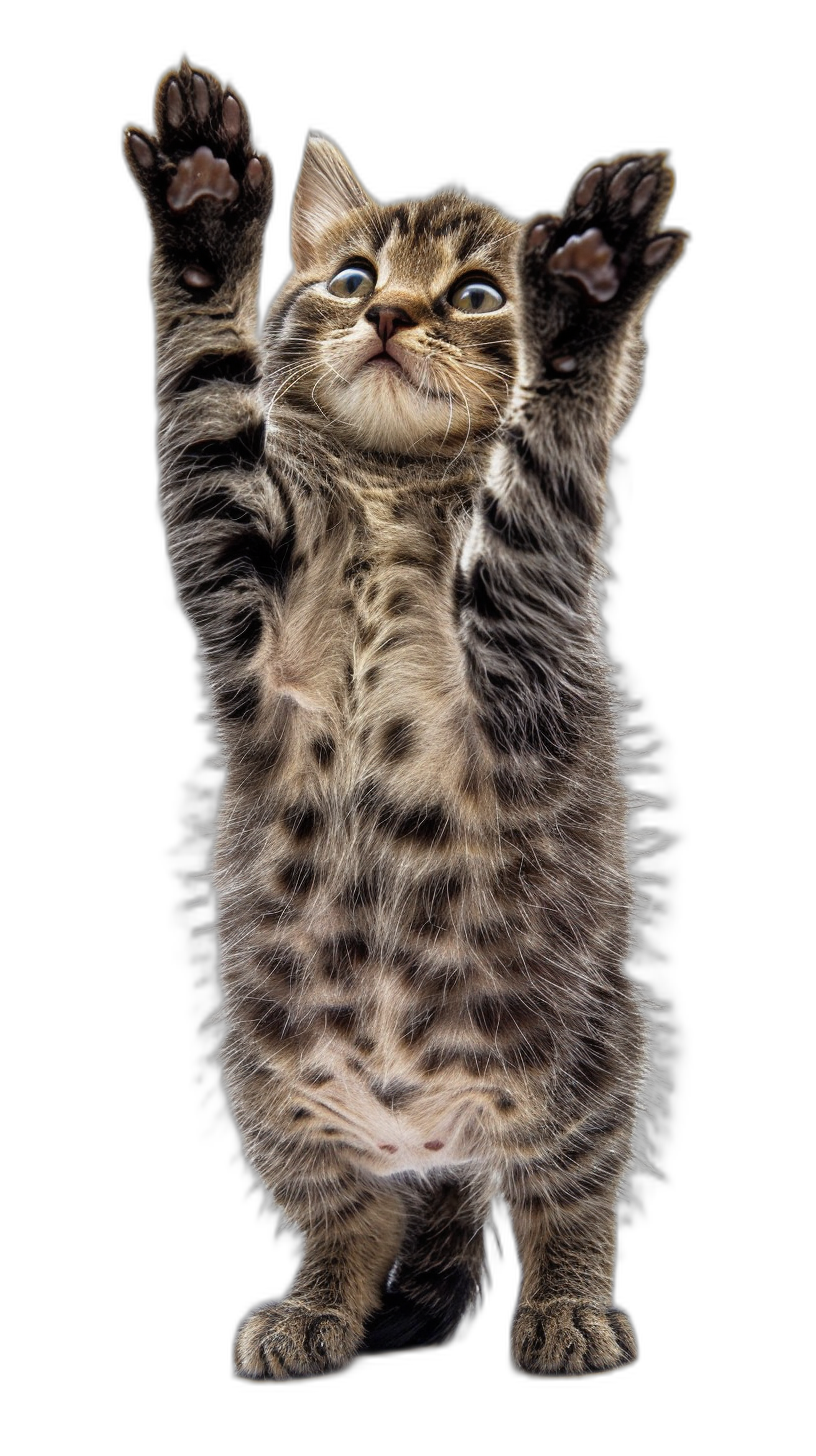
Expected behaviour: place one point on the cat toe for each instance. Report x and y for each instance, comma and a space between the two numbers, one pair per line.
286, 1341
186, 101
140, 150
605, 257
572, 1338
588, 259
204, 183
540, 232
195, 114
625, 186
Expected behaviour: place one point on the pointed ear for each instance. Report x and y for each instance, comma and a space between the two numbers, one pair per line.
327, 190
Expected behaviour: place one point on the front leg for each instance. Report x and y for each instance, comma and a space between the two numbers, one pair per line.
563, 1202
587, 280
526, 572
209, 195
353, 1232
229, 520
565, 1323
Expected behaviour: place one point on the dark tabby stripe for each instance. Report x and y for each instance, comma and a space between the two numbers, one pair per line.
240, 367
409, 941
420, 823
239, 702
251, 554
398, 738
214, 505
246, 630
242, 451
514, 531
323, 749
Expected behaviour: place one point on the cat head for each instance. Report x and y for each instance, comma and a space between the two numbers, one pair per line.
398, 324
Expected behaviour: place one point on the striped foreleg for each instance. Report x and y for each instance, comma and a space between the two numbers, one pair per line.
524, 585
563, 1211
229, 515
353, 1228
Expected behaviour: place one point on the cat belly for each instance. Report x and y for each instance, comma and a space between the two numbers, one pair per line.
398, 1128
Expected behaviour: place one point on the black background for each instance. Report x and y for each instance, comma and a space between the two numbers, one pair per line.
182, 1225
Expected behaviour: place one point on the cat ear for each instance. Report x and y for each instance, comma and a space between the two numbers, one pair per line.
327, 191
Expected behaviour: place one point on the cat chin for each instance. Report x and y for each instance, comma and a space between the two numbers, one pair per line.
384, 411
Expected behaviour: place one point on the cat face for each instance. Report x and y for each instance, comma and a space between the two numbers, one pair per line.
398, 325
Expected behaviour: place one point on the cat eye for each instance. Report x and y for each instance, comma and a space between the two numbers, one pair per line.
355, 281
476, 296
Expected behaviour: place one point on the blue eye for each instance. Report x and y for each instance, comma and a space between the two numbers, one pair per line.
356, 281
477, 296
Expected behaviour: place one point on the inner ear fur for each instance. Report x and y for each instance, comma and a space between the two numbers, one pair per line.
327, 191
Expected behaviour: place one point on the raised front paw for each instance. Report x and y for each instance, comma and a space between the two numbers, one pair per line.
279, 1341
605, 256
571, 1337
208, 191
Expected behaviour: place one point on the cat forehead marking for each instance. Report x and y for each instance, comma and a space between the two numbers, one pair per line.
442, 235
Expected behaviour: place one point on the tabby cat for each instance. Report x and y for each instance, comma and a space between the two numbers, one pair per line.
384, 524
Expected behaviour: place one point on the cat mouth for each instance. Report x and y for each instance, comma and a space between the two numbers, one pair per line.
384, 360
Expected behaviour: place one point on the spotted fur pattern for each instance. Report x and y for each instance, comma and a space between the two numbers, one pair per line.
386, 535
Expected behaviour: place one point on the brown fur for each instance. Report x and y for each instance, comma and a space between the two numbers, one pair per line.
421, 867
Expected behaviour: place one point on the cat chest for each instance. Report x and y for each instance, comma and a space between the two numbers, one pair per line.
368, 626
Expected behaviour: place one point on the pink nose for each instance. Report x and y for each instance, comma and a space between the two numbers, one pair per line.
387, 320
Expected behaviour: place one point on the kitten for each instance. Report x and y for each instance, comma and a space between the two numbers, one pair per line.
384, 523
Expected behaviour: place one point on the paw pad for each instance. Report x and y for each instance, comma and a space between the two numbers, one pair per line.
658, 251
588, 186
174, 104
643, 194
201, 97
232, 117
541, 232
201, 175
623, 181
588, 259
198, 278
